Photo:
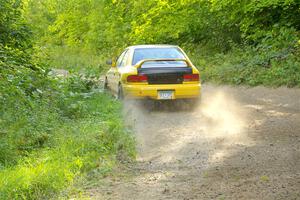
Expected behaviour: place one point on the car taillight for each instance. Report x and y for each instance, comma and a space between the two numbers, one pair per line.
137, 78
191, 77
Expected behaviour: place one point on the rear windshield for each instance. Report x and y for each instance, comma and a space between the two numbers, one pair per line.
159, 53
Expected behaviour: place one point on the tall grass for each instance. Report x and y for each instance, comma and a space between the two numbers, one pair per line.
61, 136
75, 59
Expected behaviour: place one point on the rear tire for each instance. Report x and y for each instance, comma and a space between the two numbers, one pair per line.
105, 86
120, 94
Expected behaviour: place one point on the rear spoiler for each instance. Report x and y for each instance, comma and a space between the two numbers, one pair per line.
140, 63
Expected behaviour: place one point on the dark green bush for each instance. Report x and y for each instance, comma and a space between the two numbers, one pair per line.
272, 62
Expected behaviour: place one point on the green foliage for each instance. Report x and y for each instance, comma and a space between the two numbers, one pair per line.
114, 24
256, 18
53, 130
273, 62
76, 60
103, 28
13, 28
71, 147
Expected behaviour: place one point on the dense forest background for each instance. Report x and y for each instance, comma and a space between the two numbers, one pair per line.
259, 40
248, 42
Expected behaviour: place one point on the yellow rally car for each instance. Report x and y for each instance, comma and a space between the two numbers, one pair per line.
159, 72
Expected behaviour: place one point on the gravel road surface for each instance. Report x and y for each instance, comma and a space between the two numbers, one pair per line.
239, 143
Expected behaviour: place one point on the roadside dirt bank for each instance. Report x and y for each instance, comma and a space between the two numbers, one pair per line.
239, 143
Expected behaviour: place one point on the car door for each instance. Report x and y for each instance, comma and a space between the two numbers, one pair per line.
114, 73
119, 66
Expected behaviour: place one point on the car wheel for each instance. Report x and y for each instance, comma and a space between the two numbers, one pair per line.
105, 84
120, 92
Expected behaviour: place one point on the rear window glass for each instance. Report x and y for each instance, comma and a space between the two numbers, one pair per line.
159, 53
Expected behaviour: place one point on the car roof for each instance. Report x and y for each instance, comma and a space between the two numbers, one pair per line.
145, 46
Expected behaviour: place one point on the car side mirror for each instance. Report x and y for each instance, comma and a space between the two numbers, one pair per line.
111, 63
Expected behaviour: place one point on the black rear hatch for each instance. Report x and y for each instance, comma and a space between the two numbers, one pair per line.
165, 75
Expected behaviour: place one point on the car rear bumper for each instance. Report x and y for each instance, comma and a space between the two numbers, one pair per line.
181, 91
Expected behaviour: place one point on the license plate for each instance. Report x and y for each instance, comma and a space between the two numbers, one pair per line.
165, 94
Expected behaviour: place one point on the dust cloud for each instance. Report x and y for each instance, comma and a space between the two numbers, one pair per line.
237, 143
216, 114
222, 115
163, 133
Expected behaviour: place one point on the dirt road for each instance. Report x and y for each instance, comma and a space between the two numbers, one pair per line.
240, 143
